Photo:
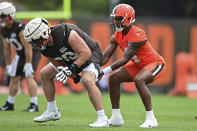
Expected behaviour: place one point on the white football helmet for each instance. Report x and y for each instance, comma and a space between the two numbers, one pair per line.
7, 13
37, 32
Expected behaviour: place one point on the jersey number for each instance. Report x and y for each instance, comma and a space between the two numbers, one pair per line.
16, 44
67, 56
135, 59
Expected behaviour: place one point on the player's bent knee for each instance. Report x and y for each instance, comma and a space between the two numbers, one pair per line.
14, 82
114, 78
138, 80
44, 74
88, 81
30, 80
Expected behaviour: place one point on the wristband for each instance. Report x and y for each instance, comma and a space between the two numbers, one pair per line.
73, 68
107, 70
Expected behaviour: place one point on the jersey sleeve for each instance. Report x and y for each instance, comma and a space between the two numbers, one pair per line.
21, 26
138, 36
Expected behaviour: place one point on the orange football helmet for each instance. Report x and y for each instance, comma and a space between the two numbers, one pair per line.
125, 14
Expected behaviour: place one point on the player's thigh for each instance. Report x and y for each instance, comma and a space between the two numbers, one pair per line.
156, 69
49, 71
17, 65
88, 78
128, 72
151, 72
89, 73
119, 76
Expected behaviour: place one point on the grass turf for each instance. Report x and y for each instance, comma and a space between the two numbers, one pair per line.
173, 114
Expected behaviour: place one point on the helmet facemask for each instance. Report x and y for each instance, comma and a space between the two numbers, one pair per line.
118, 23
39, 44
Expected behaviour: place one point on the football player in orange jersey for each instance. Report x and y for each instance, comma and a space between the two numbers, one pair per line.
140, 63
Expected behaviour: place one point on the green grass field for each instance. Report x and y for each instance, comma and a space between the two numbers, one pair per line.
173, 114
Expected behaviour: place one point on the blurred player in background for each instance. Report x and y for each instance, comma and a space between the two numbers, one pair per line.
140, 63
70, 51
12, 34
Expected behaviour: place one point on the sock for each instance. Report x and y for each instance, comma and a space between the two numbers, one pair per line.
11, 99
100, 114
34, 100
52, 107
116, 112
149, 115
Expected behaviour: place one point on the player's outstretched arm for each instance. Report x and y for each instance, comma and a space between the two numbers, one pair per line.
27, 48
109, 51
130, 52
28, 68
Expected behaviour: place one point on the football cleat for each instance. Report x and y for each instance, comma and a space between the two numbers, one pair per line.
32, 108
116, 120
100, 122
48, 116
7, 107
149, 123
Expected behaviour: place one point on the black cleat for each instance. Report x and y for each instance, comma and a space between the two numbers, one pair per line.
32, 108
7, 107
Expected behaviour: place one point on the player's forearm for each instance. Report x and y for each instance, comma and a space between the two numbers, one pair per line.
82, 58
107, 55
119, 63
105, 60
28, 54
115, 65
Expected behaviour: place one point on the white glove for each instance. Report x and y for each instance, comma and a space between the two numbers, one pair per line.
63, 74
9, 70
28, 69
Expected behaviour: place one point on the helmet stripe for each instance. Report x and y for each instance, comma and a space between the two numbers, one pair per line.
114, 10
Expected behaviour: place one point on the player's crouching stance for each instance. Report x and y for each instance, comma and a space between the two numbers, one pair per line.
72, 51
145, 65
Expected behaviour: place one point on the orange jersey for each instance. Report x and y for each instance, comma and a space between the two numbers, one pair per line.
146, 54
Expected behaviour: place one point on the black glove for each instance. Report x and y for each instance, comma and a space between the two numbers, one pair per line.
77, 79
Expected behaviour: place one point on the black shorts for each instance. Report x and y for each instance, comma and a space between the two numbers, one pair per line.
18, 63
